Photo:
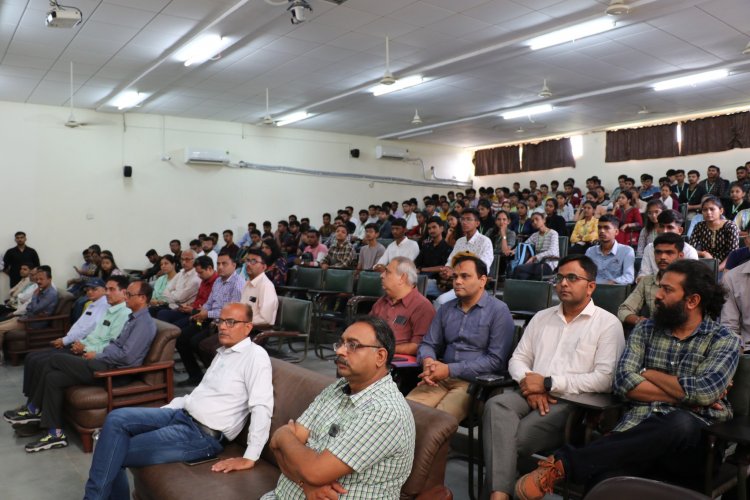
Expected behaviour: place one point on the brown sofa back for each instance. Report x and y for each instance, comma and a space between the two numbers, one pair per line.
162, 349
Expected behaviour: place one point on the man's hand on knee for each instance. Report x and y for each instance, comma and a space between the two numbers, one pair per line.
540, 402
232, 464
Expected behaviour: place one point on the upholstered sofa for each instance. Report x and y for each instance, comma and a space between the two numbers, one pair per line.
294, 390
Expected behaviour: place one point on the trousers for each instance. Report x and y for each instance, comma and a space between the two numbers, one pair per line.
187, 345
33, 367
136, 437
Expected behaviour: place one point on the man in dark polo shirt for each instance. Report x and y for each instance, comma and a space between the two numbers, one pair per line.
433, 255
18, 255
406, 311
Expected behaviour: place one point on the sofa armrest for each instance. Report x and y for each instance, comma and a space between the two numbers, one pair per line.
155, 367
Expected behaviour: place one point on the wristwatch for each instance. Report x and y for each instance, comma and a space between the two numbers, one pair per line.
548, 384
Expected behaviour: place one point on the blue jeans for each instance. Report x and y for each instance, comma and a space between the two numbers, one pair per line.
136, 437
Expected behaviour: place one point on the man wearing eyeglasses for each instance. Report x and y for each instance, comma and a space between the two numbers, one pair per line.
357, 437
182, 289
127, 350
237, 384
570, 348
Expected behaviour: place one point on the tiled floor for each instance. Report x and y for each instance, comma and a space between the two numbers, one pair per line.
61, 474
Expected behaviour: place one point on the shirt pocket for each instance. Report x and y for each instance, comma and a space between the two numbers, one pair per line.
583, 358
689, 364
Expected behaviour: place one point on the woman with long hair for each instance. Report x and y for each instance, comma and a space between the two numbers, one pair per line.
108, 267
453, 231
630, 219
276, 272
648, 233
585, 233
714, 237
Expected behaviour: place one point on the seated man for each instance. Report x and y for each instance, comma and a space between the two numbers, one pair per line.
62, 371
401, 246
403, 308
673, 393
207, 246
226, 288
101, 323
667, 249
155, 270
341, 254
735, 315
470, 335
237, 384
183, 288
433, 255
43, 303
21, 294
314, 252
357, 437
371, 250
570, 348
669, 221
189, 290
230, 247
614, 261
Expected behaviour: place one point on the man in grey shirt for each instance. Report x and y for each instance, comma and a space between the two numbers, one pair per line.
371, 251
735, 314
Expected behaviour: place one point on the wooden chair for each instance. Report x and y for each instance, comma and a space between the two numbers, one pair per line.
28, 339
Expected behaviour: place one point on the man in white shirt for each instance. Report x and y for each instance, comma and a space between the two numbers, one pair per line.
259, 291
183, 288
237, 384
207, 244
401, 246
409, 216
570, 348
669, 221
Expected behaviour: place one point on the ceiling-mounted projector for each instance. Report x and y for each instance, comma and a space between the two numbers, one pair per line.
58, 17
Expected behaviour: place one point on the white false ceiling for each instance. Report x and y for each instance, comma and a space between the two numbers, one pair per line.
470, 51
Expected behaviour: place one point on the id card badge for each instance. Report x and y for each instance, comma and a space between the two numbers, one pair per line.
400, 320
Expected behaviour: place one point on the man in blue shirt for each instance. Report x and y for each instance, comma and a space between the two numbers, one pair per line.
470, 335
129, 349
648, 190
614, 261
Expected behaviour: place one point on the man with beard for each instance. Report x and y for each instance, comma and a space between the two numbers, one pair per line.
675, 372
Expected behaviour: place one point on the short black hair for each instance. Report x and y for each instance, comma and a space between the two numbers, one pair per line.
175, 241
314, 231
151, 252
46, 270
400, 222
259, 253
204, 262
484, 203
283, 223
699, 279
228, 231
670, 216
121, 280
436, 220
611, 219
255, 231
588, 265
471, 211
145, 289
195, 242
479, 264
670, 239
19, 233
645, 177
694, 172
383, 334
372, 225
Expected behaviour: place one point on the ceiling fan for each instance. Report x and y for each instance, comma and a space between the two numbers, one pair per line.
267, 120
72, 122
388, 78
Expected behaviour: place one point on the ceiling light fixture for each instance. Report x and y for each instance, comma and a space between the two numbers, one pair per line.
571, 34
202, 49
529, 111
298, 8
417, 120
128, 99
293, 117
400, 84
617, 8
685, 81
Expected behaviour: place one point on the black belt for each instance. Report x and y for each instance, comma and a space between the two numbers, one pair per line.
217, 435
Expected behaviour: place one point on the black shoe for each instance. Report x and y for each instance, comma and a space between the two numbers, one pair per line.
48, 442
10, 413
27, 430
23, 416
189, 382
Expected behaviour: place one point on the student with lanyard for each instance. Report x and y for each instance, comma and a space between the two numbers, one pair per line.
523, 227
693, 194
546, 251
679, 187
736, 202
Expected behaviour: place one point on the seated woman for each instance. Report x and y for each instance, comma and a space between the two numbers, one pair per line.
667, 198
108, 267
505, 242
736, 202
553, 220
453, 231
715, 237
648, 233
564, 208
585, 231
630, 219
523, 227
277, 271
168, 270
546, 251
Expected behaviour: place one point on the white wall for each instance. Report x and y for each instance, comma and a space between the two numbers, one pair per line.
592, 163
65, 187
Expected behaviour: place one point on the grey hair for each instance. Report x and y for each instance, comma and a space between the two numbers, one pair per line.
406, 267
191, 252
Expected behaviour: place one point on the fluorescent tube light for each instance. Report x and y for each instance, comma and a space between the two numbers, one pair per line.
691, 80
571, 34
202, 49
293, 117
401, 83
128, 99
531, 110
414, 134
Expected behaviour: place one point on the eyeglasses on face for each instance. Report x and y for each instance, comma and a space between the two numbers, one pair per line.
572, 278
352, 345
228, 321
252, 262
130, 295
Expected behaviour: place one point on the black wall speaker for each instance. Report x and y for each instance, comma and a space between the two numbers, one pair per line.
127, 171
354, 153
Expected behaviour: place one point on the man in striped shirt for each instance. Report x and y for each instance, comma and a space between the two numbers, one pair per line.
675, 371
357, 437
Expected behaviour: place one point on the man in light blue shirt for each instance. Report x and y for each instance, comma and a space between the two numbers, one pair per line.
614, 261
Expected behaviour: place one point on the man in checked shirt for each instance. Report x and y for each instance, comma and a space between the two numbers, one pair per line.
675, 371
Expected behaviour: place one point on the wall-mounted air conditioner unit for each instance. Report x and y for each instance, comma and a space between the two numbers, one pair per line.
206, 156
390, 153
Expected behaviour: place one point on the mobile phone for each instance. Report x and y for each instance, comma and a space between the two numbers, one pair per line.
201, 460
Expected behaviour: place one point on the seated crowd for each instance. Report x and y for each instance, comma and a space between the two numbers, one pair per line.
221, 295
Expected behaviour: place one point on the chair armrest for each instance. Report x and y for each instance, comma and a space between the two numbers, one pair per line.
42, 318
736, 430
275, 333
356, 300
597, 401
481, 387
163, 365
